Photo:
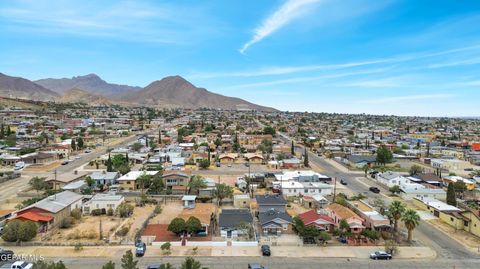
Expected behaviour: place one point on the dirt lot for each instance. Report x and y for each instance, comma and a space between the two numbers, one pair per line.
140, 214
88, 229
463, 237
169, 212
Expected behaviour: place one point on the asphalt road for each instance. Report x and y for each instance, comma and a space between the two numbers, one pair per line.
285, 263
425, 233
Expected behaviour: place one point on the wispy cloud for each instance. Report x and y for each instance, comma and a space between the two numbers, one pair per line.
289, 11
397, 99
126, 20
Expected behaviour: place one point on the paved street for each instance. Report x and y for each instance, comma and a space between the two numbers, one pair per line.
287, 263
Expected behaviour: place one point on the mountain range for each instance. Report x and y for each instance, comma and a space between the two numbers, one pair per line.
169, 92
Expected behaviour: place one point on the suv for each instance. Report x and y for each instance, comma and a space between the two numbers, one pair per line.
140, 249
374, 189
380, 255
256, 266
266, 250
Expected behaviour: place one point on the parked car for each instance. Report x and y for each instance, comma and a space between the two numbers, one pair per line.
217, 164
380, 255
6, 255
87, 151
65, 162
266, 250
140, 250
343, 182
21, 265
229, 165
256, 266
374, 189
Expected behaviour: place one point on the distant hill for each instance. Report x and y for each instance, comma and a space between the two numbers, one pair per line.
90, 83
175, 91
79, 95
16, 87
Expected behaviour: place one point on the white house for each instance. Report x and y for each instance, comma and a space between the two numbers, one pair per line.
391, 179
294, 188
103, 201
414, 190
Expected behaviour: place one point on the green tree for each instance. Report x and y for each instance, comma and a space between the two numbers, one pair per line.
411, 219
305, 159
165, 247
292, 149
156, 186
80, 143
384, 155
451, 197
396, 210
344, 227
191, 263
73, 145
415, 170
269, 130
196, 183
48, 265
193, 225
137, 146
38, 183
177, 226
124, 210
128, 262
144, 181
109, 164
394, 189
109, 265
223, 191
204, 163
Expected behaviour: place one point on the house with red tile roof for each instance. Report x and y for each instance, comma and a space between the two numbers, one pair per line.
320, 221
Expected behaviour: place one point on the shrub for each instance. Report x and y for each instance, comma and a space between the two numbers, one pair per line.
76, 214
66, 223
157, 210
78, 246
98, 212
122, 231
18, 230
110, 212
166, 248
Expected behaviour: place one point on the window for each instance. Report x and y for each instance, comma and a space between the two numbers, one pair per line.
285, 227
451, 219
306, 190
465, 223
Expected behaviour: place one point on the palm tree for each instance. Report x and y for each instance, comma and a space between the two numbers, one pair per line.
411, 220
191, 263
196, 183
396, 210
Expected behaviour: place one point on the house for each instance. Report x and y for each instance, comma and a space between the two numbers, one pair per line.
228, 158
76, 186
203, 212
269, 202
253, 158
103, 201
338, 213
293, 163
316, 201
175, 178
189, 201
39, 158
372, 219
273, 222
320, 221
241, 201
49, 212
391, 179
410, 190
208, 191
231, 222
302, 176
359, 161
128, 182
293, 188
58, 182
105, 178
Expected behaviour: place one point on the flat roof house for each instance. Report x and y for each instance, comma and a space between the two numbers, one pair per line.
128, 181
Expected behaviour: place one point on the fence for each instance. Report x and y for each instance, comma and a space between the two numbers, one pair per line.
244, 243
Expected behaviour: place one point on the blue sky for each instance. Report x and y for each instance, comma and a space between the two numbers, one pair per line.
352, 56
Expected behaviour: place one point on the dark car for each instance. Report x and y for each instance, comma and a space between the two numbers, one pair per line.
140, 249
256, 266
380, 255
374, 189
65, 162
343, 182
266, 250
6, 255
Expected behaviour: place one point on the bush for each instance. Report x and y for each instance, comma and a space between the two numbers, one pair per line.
76, 214
122, 231
124, 210
110, 212
157, 210
166, 248
98, 212
18, 230
78, 247
66, 223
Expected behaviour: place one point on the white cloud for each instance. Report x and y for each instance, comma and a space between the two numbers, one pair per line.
289, 11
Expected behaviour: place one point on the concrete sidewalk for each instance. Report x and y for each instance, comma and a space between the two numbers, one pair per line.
293, 252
